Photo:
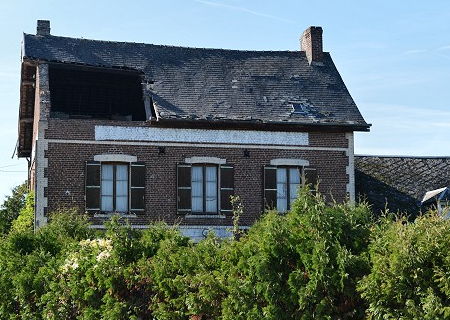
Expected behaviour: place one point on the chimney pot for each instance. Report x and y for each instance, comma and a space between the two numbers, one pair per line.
43, 28
311, 43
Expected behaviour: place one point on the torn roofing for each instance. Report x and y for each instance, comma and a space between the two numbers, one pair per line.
217, 84
399, 183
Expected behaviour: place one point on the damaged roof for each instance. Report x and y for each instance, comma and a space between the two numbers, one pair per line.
215, 84
399, 183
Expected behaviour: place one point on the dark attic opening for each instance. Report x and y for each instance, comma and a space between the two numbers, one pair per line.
95, 93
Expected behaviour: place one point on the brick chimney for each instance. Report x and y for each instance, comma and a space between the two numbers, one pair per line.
43, 28
311, 43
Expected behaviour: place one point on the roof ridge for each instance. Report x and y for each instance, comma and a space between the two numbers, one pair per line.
160, 45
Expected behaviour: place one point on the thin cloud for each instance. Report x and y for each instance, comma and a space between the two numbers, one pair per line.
445, 48
235, 8
415, 51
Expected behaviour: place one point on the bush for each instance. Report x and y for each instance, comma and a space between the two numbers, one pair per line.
304, 265
27, 264
410, 276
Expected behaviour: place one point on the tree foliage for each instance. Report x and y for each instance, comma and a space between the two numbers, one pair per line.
10, 209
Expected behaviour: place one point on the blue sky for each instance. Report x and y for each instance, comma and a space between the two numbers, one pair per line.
394, 56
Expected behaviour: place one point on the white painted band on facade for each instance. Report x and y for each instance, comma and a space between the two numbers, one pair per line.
117, 133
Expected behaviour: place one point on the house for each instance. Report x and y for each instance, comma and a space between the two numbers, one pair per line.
402, 184
156, 132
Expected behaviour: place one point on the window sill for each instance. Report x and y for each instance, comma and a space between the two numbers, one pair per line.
111, 214
205, 216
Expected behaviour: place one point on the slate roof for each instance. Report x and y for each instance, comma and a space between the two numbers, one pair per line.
399, 183
217, 84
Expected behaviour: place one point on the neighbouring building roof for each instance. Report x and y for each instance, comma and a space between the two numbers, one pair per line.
399, 183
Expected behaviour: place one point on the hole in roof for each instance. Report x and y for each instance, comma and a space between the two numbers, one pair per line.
96, 94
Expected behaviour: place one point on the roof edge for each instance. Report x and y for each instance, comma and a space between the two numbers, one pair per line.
265, 126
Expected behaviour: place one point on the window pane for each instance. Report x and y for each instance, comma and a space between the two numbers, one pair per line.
107, 172
211, 182
294, 175
211, 189
294, 183
107, 203
281, 189
122, 188
122, 204
122, 172
281, 183
121, 180
107, 187
281, 204
197, 189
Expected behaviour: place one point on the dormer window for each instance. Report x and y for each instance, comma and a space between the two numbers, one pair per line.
300, 108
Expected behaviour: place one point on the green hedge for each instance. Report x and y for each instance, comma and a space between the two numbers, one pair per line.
319, 261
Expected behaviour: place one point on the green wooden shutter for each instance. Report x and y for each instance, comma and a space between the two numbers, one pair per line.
311, 177
137, 187
184, 189
270, 187
92, 187
226, 188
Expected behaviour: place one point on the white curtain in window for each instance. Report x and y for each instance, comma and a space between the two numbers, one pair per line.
281, 189
211, 189
107, 187
122, 188
197, 189
294, 183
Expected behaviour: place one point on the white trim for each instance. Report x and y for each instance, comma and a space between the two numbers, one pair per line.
350, 169
40, 181
117, 133
115, 158
212, 160
197, 145
204, 216
289, 162
110, 215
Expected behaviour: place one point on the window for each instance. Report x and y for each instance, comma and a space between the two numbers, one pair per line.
115, 187
281, 185
204, 189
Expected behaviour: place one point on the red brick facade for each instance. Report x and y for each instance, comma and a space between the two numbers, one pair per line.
71, 143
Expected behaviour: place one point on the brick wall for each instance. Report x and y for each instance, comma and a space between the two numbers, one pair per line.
66, 170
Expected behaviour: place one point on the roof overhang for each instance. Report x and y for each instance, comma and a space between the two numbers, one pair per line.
26, 108
260, 125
